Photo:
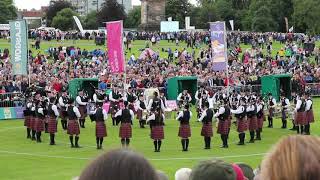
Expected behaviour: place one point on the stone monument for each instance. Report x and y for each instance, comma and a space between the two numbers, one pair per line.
152, 13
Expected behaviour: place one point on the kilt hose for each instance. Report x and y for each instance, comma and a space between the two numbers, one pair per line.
301, 119
83, 112
101, 130
52, 125
253, 124
271, 112
206, 130
184, 131
157, 133
27, 121
310, 116
223, 127
125, 131
242, 125
73, 127
39, 124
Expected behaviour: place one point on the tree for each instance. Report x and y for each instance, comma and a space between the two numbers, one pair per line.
306, 16
178, 10
225, 11
90, 20
8, 11
133, 19
64, 20
111, 11
262, 20
54, 8
204, 13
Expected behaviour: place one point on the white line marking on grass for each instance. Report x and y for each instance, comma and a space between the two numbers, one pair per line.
151, 159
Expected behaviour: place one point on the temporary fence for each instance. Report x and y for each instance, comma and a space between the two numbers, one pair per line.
11, 105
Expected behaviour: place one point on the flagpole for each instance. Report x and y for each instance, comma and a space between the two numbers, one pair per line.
226, 57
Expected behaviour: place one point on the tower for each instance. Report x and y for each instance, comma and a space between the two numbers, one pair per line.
152, 13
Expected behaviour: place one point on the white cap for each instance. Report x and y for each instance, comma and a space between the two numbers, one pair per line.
183, 174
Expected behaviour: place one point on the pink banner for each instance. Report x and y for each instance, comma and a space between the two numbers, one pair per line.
115, 46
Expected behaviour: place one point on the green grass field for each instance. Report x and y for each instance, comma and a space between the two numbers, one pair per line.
21, 158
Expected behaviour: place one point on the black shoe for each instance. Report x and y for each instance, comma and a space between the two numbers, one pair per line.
251, 141
240, 144
207, 148
77, 146
72, 146
28, 137
258, 139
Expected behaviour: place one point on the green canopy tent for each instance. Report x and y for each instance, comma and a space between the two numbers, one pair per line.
87, 84
276, 84
177, 84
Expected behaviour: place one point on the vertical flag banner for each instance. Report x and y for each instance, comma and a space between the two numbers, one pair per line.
219, 45
232, 24
115, 46
19, 47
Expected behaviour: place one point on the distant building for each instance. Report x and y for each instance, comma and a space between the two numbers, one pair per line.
33, 17
83, 7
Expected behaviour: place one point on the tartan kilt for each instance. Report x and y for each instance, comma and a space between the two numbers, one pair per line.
184, 131
253, 124
206, 130
27, 121
223, 127
300, 118
229, 121
242, 125
310, 116
260, 122
33, 123
101, 130
125, 131
271, 112
52, 125
73, 127
157, 133
83, 112
39, 125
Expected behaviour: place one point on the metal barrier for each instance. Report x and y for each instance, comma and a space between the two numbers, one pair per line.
242, 88
12, 100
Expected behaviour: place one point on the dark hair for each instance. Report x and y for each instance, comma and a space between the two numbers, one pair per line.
247, 170
119, 165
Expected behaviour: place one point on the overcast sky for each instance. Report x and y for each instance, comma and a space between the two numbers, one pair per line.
29, 4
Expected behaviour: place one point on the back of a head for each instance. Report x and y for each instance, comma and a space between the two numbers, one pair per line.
162, 175
119, 165
213, 170
293, 158
183, 174
247, 170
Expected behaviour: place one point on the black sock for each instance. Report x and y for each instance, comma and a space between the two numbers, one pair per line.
285, 123
155, 143
123, 142
76, 141
183, 144
51, 138
46, 127
307, 128
298, 129
301, 129
33, 134
71, 140
222, 138
38, 136
187, 144
159, 145
239, 135
206, 142
101, 141
28, 133
97, 141
251, 135
271, 121
225, 140
127, 142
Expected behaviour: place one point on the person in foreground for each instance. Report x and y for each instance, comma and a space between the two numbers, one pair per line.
293, 158
119, 165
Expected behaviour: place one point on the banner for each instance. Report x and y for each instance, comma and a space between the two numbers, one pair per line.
115, 46
19, 47
169, 26
219, 46
291, 29
287, 24
11, 113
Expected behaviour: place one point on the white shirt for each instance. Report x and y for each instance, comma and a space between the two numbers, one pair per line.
197, 93
239, 110
111, 97
211, 101
40, 110
138, 105
259, 107
55, 110
150, 105
153, 117
220, 112
61, 102
250, 108
188, 95
287, 103
79, 102
119, 113
180, 115
203, 115
308, 104
274, 102
104, 112
298, 105
95, 98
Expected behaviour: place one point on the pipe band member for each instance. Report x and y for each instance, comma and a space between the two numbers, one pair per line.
82, 101
272, 104
309, 113
125, 117
53, 115
156, 121
63, 101
240, 114
99, 115
260, 117
223, 114
115, 97
73, 125
300, 114
184, 129
285, 104
184, 98
206, 119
